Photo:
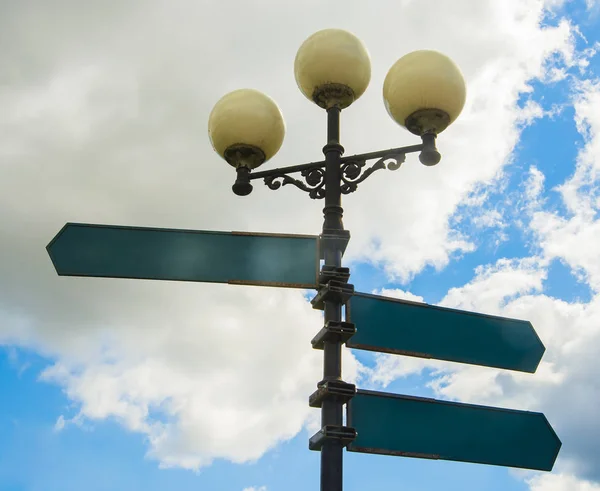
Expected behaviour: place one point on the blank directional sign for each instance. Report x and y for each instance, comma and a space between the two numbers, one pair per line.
186, 255
417, 329
391, 424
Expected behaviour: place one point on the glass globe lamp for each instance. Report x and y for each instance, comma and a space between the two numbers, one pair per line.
332, 68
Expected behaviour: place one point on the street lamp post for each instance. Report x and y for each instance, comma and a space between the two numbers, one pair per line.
423, 91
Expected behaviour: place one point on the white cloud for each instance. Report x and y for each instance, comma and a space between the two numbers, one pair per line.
390, 367
489, 219
498, 283
565, 385
399, 293
227, 384
104, 113
60, 423
15, 362
593, 5
573, 238
254, 488
567, 372
532, 111
570, 331
560, 482
534, 187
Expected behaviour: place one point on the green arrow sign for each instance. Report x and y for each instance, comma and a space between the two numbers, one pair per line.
186, 255
417, 329
391, 424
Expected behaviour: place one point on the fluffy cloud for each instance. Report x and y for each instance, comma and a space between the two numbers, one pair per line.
104, 113
570, 331
560, 482
567, 372
203, 383
572, 238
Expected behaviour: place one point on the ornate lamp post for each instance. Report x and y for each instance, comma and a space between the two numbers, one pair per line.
423, 91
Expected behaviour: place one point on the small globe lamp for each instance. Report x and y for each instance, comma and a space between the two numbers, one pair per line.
246, 128
332, 68
425, 92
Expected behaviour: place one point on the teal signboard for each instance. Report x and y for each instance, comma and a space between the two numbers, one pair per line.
386, 424
408, 426
186, 255
416, 329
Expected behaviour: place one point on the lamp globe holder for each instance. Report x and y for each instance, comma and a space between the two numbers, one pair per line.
246, 129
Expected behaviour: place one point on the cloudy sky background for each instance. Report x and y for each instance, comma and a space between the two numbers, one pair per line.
117, 384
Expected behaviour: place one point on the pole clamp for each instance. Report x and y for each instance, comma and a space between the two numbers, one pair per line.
332, 390
333, 291
333, 332
329, 273
342, 434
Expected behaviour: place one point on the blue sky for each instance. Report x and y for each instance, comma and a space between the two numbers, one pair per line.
124, 385
104, 456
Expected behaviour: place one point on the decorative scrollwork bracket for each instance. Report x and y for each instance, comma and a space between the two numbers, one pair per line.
314, 177
354, 170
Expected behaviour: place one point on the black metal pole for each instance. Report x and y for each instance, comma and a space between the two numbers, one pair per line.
331, 410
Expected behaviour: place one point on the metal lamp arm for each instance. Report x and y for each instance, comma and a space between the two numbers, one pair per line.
354, 170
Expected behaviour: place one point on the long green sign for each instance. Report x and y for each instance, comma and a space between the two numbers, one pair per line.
427, 331
186, 255
407, 426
